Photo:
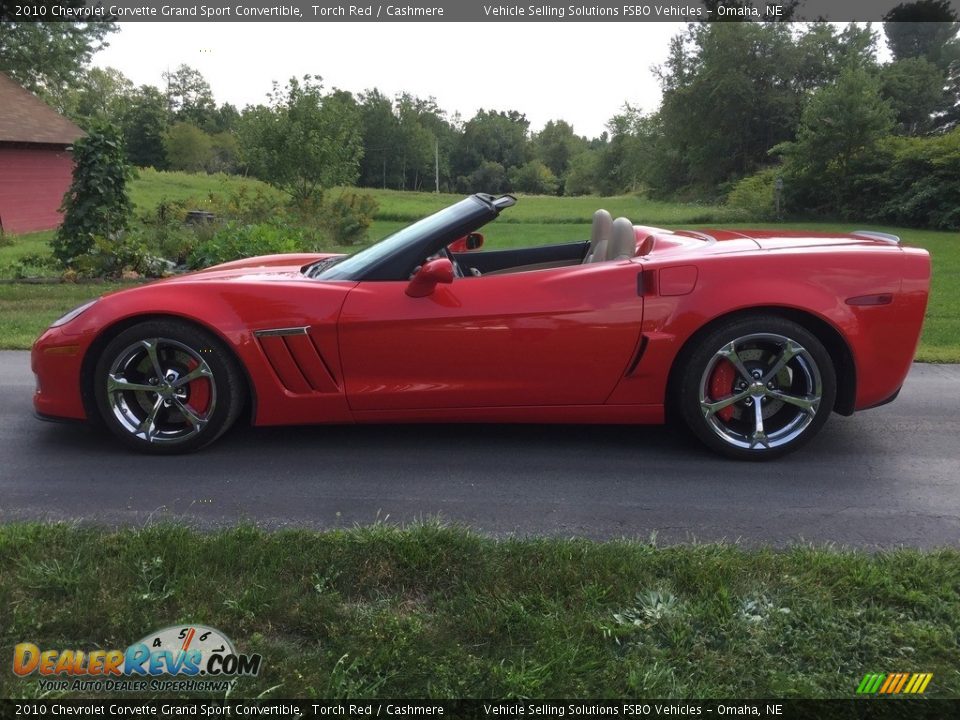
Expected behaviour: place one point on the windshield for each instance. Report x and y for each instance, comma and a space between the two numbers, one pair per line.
355, 266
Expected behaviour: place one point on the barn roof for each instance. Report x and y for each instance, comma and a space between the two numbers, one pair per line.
26, 118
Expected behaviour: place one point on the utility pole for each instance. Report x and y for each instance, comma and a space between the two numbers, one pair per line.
436, 165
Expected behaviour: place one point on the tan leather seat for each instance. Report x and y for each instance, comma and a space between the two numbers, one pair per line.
599, 237
623, 241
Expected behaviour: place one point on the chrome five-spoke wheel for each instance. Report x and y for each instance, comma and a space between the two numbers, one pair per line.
161, 391
164, 386
757, 388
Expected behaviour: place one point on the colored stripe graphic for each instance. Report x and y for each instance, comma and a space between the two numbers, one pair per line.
891, 679
894, 683
898, 683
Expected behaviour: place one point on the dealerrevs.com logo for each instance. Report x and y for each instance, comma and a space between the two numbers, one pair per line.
176, 658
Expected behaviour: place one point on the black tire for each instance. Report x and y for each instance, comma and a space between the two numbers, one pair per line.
165, 412
791, 379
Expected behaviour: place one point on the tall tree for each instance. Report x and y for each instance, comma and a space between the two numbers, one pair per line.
914, 88
47, 57
102, 94
729, 98
145, 124
225, 119
841, 124
928, 30
822, 52
924, 29
416, 144
556, 144
440, 136
629, 160
380, 138
190, 97
731, 91
950, 118
495, 137
305, 140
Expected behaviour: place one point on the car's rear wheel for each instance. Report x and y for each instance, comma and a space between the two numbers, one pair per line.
167, 387
757, 387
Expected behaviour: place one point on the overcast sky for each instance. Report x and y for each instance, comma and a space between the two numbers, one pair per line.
579, 72
582, 73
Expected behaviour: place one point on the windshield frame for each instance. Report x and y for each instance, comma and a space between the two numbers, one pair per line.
395, 256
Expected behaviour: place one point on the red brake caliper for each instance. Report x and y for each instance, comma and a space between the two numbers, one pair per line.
721, 386
199, 390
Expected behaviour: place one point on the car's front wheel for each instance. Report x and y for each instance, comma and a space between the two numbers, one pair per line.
167, 387
757, 387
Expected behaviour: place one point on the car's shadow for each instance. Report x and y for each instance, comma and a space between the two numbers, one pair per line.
884, 476
592, 480
515, 449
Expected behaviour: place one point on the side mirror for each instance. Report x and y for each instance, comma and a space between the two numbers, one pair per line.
468, 242
425, 280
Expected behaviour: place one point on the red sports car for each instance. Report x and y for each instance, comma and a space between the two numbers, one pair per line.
751, 338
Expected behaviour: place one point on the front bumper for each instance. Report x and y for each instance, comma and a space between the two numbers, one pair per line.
56, 360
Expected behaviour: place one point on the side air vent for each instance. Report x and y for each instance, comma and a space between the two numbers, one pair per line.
637, 356
296, 360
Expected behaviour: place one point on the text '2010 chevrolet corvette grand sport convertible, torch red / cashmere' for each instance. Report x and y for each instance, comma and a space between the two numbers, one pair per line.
751, 338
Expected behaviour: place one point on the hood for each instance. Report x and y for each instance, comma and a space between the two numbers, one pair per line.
264, 268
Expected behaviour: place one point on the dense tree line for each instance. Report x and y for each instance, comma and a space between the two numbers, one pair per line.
743, 103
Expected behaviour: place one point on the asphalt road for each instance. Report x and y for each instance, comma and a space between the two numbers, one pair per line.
886, 477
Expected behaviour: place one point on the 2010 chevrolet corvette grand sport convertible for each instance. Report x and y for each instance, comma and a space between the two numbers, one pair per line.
751, 338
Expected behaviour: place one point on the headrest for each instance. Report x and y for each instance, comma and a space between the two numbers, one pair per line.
623, 240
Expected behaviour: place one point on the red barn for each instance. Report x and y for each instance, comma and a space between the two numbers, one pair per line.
35, 162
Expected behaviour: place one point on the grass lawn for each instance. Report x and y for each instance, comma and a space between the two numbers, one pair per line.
406, 206
25, 310
152, 186
438, 612
535, 220
17, 246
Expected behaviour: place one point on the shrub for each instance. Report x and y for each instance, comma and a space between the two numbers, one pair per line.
905, 181
348, 216
923, 182
164, 233
490, 177
754, 195
232, 242
112, 257
97, 204
244, 205
173, 241
581, 176
188, 148
534, 177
